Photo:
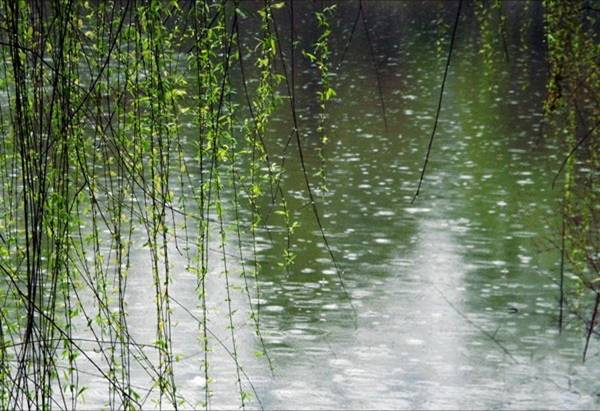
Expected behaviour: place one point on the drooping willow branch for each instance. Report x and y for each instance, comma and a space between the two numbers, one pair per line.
439, 105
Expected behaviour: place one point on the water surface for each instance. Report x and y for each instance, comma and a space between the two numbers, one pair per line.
455, 294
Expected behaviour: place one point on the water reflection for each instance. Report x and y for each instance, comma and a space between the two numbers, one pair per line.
443, 288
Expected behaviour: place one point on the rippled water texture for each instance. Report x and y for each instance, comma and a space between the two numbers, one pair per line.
455, 294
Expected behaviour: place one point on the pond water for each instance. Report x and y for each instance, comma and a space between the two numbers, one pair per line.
454, 296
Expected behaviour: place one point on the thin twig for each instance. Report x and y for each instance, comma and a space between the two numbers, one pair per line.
439, 106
